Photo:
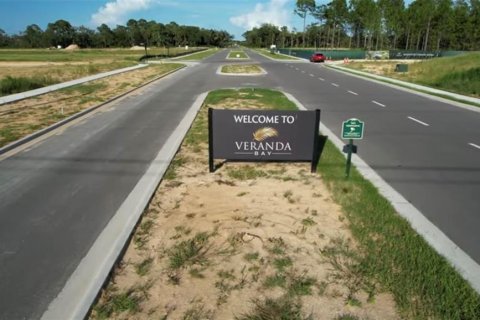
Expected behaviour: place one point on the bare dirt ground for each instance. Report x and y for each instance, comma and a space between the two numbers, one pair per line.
242, 241
381, 68
58, 71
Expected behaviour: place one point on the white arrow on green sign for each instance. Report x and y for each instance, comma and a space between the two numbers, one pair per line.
352, 129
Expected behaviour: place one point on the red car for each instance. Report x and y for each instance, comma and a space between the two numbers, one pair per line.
317, 57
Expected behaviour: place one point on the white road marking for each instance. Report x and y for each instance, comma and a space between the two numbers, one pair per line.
354, 93
474, 145
379, 104
303, 71
321, 79
311, 75
418, 121
335, 85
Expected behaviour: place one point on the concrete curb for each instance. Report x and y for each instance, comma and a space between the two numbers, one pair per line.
418, 89
54, 126
462, 262
40, 91
80, 291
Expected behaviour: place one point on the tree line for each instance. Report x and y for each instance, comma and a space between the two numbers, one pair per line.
135, 32
378, 25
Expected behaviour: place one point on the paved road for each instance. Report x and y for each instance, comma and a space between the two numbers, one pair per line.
56, 197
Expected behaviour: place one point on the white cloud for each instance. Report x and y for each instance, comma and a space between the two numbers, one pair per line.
274, 12
114, 12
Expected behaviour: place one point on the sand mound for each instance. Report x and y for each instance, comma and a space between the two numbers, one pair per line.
137, 48
72, 47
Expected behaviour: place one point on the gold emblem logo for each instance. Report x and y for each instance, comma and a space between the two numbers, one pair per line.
265, 133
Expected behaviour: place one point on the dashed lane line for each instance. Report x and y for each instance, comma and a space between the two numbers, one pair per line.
321, 79
474, 145
379, 104
418, 121
354, 93
335, 85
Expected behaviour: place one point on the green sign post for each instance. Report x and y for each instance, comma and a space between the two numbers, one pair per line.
352, 129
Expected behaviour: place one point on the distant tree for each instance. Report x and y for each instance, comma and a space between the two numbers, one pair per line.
302, 9
60, 33
105, 36
84, 37
33, 37
392, 14
474, 18
442, 23
4, 39
461, 25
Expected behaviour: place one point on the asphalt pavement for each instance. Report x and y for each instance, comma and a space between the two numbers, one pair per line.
57, 195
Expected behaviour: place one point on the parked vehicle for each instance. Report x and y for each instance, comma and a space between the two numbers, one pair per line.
317, 57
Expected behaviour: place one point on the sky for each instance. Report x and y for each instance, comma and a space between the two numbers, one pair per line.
234, 16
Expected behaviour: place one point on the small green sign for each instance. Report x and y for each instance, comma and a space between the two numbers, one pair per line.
352, 129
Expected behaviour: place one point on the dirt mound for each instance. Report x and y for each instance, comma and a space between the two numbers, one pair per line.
72, 47
137, 48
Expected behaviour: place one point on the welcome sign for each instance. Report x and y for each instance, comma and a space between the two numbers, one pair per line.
263, 135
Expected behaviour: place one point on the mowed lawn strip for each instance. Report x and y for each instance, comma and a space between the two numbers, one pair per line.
85, 55
276, 56
198, 56
237, 55
22, 118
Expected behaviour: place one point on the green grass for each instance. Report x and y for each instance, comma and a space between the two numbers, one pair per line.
276, 56
283, 308
82, 55
251, 256
116, 303
459, 74
171, 173
189, 252
144, 267
245, 173
347, 316
282, 263
301, 285
237, 55
423, 283
199, 56
9, 134
276, 280
11, 85
83, 89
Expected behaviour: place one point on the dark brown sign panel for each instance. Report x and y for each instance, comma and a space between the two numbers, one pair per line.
267, 135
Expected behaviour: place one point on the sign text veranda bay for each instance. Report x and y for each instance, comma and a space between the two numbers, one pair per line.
263, 135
